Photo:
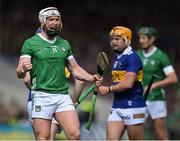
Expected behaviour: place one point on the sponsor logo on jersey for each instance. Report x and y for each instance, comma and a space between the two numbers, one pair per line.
54, 49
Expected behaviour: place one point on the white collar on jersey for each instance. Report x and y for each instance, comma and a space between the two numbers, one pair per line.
127, 51
149, 53
45, 39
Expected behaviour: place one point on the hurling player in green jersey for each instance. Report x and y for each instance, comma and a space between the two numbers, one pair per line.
55, 127
45, 55
155, 61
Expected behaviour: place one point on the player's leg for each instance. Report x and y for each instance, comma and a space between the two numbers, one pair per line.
29, 109
115, 126
67, 117
43, 107
42, 128
158, 112
70, 123
135, 132
115, 130
160, 129
54, 129
134, 119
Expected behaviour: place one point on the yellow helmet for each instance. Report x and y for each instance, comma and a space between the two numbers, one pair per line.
121, 31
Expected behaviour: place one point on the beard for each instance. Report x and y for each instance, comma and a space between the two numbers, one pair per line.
52, 32
145, 47
117, 50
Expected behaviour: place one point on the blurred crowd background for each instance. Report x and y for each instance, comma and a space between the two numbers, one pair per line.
86, 25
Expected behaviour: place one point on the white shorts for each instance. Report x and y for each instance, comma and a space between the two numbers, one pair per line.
29, 109
44, 105
129, 116
156, 109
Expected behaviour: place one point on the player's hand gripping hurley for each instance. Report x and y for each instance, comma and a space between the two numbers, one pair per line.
102, 64
147, 92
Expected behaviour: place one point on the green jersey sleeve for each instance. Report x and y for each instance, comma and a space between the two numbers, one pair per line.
166, 64
26, 49
165, 60
69, 50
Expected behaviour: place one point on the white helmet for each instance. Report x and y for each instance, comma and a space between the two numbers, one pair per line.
48, 12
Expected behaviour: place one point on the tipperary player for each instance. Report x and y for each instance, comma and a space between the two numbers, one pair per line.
128, 109
45, 55
156, 62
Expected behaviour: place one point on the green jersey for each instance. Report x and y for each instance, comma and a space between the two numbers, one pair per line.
48, 63
155, 62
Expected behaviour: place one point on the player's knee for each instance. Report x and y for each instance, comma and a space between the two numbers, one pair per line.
74, 135
42, 136
159, 135
110, 138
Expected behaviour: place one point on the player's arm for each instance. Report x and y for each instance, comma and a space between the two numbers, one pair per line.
24, 64
19, 70
134, 64
79, 72
170, 78
125, 84
27, 80
121, 86
170, 75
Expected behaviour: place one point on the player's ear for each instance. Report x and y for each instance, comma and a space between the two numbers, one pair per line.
127, 42
152, 39
42, 25
61, 25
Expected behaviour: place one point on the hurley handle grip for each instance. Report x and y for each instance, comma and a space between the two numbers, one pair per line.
89, 123
149, 86
84, 95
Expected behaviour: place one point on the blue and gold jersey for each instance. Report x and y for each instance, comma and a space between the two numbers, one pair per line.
128, 61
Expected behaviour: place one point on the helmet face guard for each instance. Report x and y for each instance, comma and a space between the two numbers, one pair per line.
46, 13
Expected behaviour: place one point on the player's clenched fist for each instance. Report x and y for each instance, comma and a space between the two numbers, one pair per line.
23, 66
26, 64
96, 78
